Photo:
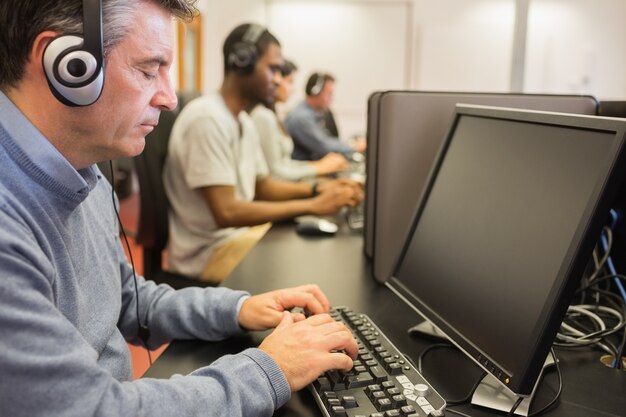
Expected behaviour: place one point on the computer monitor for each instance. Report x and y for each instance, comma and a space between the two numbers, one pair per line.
510, 214
371, 137
612, 108
411, 128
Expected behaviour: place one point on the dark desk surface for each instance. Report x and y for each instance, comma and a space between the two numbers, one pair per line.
337, 264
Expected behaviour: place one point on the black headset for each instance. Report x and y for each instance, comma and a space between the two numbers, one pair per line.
244, 54
317, 88
74, 64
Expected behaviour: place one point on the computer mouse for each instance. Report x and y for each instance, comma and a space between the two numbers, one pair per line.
316, 227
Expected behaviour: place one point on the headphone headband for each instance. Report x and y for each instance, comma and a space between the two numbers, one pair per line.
244, 53
92, 29
320, 80
253, 33
74, 64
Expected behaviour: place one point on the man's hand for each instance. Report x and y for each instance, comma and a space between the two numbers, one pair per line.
265, 311
336, 194
331, 162
305, 349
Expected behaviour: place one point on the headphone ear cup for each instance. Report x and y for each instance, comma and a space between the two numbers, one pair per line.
73, 74
243, 58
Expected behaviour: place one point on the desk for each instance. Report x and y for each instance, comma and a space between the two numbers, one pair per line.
282, 258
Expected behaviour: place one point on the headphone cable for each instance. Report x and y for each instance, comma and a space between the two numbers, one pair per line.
142, 330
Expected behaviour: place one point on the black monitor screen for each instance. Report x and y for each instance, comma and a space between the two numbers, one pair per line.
501, 230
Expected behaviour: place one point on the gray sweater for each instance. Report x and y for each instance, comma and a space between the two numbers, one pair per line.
277, 147
68, 305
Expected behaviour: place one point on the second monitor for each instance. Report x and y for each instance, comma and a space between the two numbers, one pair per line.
411, 128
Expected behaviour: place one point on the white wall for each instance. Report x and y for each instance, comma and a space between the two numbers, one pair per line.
463, 45
573, 46
363, 44
219, 18
577, 46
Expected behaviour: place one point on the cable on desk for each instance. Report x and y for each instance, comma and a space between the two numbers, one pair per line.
559, 391
552, 402
469, 396
428, 349
611, 303
592, 323
460, 401
511, 412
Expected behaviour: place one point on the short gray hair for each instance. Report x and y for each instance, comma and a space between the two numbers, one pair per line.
21, 21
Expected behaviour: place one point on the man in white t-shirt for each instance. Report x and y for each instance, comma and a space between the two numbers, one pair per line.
215, 176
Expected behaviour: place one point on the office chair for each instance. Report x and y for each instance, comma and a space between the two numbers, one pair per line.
152, 231
330, 123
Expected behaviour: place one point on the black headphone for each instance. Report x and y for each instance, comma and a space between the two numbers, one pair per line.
244, 54
74, 64
317, 88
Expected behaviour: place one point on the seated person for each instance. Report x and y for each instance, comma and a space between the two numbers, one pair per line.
278, 146
307, 123
216, 177
69, 300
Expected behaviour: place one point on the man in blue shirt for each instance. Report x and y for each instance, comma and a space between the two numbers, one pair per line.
307, 123
69, 301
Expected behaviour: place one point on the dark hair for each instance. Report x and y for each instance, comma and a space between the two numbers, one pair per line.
236, 35
317, 81
287, 68
21, 21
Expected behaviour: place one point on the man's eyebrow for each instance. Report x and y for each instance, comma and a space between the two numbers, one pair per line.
156, 60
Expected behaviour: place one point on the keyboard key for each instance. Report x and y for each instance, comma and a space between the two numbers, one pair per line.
361, 380
378, 374
377, 395
383, 404
333, 402
371, 388
407, 409
338, 411
322, 384
392, 413
398, 400
349, 402
395, 369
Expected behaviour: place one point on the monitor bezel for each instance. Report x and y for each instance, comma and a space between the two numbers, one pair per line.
522, 380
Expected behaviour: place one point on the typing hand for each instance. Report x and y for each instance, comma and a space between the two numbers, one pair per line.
265, 311
306, 349
335, 195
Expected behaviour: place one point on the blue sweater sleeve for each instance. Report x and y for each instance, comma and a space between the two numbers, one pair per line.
49, 367
308, 135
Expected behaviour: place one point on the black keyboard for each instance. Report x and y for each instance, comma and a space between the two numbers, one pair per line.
382, 383
355, 217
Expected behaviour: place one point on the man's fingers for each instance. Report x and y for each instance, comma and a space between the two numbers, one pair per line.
286, 320
341, 361
309, 297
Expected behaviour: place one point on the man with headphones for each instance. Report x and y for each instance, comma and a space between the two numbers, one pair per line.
216, 177
311, 124
82, 81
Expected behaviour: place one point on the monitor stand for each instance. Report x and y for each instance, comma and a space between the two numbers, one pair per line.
490, 393
428, 329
